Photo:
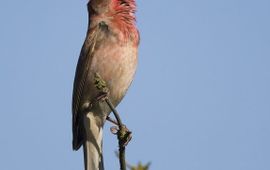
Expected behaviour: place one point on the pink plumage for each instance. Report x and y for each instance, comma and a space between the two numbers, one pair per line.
110, 49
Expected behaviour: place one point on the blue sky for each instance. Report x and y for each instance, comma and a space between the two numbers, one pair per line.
200, 99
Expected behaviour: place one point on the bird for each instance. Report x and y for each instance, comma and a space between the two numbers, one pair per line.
110, 50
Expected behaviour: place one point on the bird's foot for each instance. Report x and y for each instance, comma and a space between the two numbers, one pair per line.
101, 97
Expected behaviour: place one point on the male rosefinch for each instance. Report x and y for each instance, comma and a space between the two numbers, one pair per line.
110, 49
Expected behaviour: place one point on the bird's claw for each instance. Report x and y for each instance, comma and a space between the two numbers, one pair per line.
101, 96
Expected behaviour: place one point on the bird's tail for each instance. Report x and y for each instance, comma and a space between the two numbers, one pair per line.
92, 147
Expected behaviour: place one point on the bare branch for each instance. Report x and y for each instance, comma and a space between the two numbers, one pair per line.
123, 134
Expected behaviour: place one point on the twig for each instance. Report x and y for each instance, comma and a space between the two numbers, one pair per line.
112, 120
116, 114
120, 135
140, 166
123, 134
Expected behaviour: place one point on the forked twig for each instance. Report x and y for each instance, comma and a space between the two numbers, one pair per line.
123, 134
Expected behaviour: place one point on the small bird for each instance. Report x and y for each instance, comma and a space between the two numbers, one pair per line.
109, 50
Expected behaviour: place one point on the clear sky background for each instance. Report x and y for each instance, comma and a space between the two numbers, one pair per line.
200, 99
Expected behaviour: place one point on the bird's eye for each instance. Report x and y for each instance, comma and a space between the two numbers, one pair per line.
102, 25
123, 2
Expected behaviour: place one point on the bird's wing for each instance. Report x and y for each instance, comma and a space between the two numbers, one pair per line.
78, 87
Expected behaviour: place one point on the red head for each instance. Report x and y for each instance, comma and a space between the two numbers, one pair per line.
121, 14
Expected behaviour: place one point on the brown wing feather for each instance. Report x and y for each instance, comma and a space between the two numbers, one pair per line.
78, 87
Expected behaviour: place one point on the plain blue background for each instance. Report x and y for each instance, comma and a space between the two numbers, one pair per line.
200, 99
